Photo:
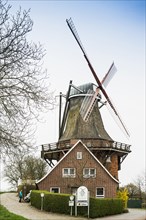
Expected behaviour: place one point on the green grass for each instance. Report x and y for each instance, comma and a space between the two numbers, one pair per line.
6, 215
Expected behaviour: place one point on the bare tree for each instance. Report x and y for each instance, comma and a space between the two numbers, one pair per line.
138, 188
140, 182
132, 190
23, 89
23, 166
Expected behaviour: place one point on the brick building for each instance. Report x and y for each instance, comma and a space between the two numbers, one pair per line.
85, 153
80, 167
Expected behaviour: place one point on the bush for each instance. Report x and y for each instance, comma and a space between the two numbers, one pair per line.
51, 202
104, 207
59, 203
123, 194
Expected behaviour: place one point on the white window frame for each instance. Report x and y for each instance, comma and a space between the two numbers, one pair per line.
89, 174
79, 155
100, 196
69, 173
51, 189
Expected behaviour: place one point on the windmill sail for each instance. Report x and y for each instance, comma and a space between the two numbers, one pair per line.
75, 34
109, 75
88, 104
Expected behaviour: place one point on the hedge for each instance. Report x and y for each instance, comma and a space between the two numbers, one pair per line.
59, 203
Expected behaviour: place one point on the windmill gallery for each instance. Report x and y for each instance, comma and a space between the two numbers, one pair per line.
85, 153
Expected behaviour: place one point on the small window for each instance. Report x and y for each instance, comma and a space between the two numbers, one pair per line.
79, 155
89, 172
68, 172
74, 190
55, 189
100, 192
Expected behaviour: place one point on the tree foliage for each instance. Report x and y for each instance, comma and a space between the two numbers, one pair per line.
23, 166
23, 88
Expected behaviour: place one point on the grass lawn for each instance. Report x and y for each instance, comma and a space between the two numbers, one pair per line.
6, 215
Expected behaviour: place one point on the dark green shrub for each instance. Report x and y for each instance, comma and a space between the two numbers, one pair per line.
59, 203
51, 202
55, 202
104, 207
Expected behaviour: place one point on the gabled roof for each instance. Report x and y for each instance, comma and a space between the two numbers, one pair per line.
79, 141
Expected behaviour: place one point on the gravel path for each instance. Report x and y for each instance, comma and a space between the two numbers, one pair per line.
10, 201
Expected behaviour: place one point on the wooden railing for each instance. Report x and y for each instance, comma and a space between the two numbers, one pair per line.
90, 143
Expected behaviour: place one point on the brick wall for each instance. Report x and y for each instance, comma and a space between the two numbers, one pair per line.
102, 179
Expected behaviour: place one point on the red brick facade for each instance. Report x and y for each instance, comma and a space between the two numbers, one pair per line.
101, 179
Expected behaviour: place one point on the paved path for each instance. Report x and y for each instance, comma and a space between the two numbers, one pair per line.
10, 201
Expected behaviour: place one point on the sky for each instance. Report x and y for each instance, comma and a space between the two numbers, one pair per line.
110, 31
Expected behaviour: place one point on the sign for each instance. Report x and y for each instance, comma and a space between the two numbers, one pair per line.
82, 196
71, 203
82, 203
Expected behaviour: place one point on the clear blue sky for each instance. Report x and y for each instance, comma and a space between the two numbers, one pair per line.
109, 30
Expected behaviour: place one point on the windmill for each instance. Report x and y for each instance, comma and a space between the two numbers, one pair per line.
81, 120
88, 103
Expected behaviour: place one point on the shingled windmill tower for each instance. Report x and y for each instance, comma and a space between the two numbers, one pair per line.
82, 121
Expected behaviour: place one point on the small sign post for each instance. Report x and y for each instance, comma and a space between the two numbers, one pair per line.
71, 203
82, 198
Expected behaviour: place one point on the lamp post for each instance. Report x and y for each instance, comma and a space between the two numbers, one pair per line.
42, 200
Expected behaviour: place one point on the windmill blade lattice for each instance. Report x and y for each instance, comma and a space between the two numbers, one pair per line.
88, 104
111, 72
75, 34
89, 101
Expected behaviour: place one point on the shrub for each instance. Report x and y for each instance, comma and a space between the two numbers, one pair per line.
123, 194
59, 203
104, 207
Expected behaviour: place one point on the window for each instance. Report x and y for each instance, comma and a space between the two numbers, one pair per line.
74, 190
100, 192
89, 172
55, 189
79, 155
68, 172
